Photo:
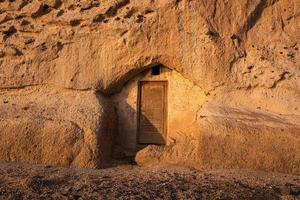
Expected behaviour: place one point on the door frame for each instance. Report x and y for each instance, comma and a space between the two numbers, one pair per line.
139, 96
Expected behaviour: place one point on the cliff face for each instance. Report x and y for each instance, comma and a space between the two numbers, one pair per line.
99, 45
244, 55
55, 126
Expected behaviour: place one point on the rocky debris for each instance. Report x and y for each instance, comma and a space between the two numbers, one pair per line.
130, 182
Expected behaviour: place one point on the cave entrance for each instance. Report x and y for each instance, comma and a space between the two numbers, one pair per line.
152, 112
156, 106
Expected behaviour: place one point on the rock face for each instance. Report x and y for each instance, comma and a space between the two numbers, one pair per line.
233, 138
243, 56
55, 126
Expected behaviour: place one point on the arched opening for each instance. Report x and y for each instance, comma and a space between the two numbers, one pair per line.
155, 107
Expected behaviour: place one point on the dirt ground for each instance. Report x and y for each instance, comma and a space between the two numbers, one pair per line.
21, 181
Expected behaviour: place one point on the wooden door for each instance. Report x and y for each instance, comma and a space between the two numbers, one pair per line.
152, 112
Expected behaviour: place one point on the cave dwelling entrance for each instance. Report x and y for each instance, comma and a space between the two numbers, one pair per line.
157, 106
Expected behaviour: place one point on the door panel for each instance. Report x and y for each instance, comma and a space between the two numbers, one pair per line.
152, 112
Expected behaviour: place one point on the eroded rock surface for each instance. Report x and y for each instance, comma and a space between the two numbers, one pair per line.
55, 126
243, 55
233, 138
245, 43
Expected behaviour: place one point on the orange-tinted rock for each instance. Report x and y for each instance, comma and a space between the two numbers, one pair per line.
243, 56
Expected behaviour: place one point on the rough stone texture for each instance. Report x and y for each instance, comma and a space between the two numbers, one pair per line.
20, 181
236, 43
244, 55
241, 139
55, 126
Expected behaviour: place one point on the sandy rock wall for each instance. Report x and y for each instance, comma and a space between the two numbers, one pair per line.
244, 56
55, 126
238, 43
226, 137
